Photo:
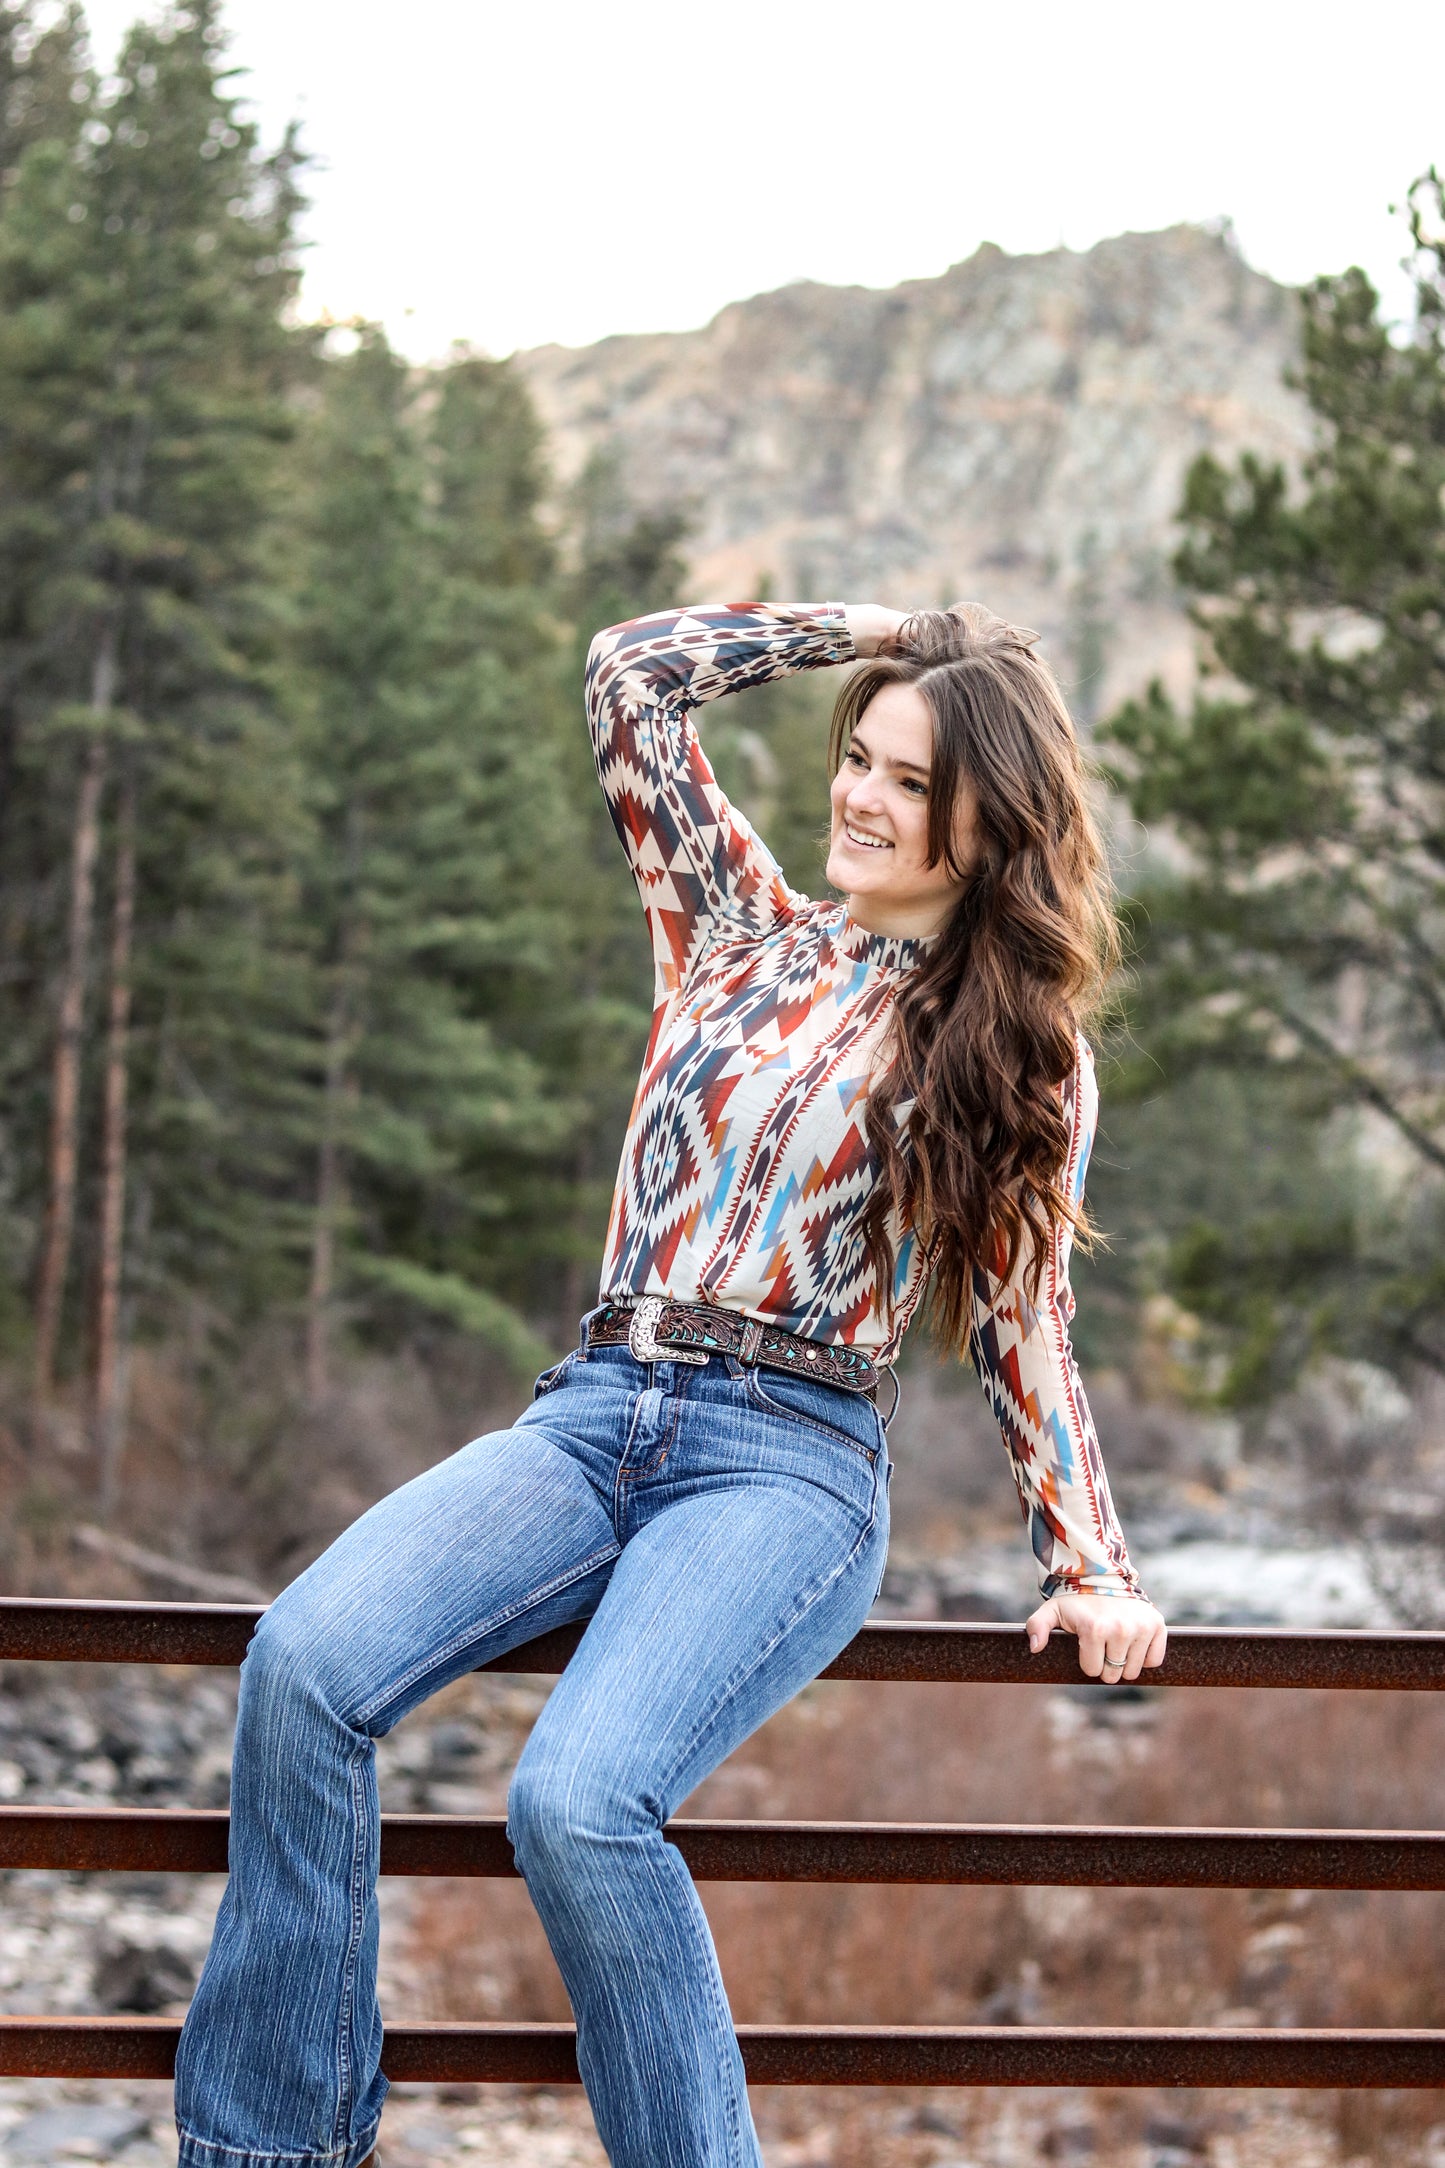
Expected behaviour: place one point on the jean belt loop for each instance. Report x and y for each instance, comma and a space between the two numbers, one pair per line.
584, 1331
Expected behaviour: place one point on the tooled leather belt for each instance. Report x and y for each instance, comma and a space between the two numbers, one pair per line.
689, 1332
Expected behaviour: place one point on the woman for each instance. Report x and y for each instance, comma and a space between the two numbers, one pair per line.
840, 1104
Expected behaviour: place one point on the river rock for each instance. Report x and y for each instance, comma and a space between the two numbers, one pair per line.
76, 2131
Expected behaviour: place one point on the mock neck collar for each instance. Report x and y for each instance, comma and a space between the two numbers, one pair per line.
890, 951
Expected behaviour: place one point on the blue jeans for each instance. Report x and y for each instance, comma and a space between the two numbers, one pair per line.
724, 1531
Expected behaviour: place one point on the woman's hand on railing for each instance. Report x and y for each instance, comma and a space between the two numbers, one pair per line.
1118, 1636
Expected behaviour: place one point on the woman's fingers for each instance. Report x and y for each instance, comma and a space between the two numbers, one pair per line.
1115, 1653
1134, 1655
1116, 1642
1094, 1648
1145, 1649
1104, 1647
1041, 1624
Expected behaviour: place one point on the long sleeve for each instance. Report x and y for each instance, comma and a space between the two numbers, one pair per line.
1026, 1363
695, 858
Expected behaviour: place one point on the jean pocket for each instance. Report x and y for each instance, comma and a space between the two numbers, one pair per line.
819, 1407
557, 1375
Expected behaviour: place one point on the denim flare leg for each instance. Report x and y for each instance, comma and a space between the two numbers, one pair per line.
724, 1532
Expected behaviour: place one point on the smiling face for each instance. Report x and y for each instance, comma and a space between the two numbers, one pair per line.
878, 844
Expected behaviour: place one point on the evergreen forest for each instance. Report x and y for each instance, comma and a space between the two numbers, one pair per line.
322, 984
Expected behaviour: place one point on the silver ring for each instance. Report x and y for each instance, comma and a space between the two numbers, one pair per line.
1114, 1663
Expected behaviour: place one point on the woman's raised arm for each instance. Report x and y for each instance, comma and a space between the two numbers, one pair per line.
696, 859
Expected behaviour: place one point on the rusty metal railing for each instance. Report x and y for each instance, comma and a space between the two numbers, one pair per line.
55, 1630
120, 1839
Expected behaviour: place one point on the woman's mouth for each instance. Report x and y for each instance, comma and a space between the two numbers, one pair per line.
865, 843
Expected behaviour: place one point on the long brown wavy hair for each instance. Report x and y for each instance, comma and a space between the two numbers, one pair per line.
965, 1111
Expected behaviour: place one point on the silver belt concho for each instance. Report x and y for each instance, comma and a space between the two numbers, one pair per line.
642, 1340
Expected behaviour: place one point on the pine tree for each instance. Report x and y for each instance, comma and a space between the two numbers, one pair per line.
625, 563
145, 368
1303, 935
497, 687
45, 84
44, 90
432, 838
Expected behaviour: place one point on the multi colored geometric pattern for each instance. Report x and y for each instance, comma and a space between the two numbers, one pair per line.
746, 1167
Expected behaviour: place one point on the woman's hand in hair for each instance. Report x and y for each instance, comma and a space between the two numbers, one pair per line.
870, 624
1119, 1636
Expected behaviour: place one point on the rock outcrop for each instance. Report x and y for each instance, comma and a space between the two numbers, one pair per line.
1016, 431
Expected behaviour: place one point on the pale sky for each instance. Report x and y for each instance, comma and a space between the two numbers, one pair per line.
562, 169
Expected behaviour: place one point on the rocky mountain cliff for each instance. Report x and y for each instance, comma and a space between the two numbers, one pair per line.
1016, 431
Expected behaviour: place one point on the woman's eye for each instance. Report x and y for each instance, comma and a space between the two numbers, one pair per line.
920, 790
856, 760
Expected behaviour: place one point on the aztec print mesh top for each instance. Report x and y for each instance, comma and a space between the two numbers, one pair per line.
746, 1165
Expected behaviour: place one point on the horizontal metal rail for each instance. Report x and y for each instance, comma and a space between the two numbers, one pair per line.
82, 1839
137, 1840
81, 2047
55, 1630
